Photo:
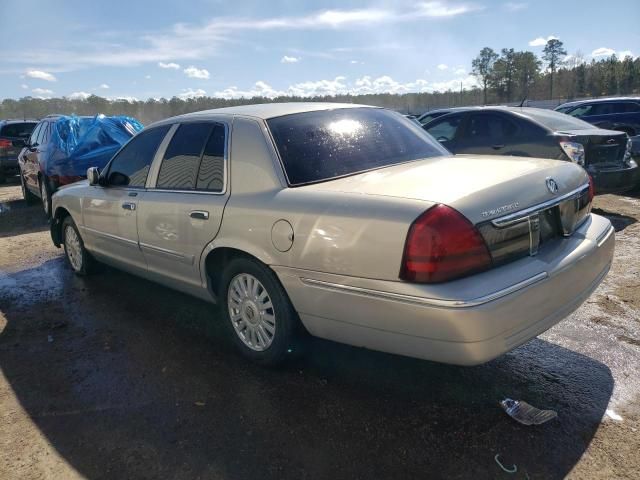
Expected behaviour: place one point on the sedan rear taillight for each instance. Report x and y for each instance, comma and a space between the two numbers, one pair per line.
443, 245
573, 150
592, 189
4, 143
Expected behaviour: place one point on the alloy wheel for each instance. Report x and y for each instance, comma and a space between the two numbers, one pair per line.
73, 247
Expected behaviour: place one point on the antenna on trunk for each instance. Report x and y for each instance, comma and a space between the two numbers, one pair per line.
522, 102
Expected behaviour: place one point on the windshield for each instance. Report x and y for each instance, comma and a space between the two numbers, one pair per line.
317, 146
556, 120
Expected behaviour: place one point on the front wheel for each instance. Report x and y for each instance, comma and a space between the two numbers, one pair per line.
78, 257
258, 312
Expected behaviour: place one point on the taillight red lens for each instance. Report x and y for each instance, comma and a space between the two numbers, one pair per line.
443, 245
4, 143
592, 189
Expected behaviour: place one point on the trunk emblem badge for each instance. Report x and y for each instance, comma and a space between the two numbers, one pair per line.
552, 185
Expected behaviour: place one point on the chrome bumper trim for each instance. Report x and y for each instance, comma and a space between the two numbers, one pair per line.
434, 302
605, 236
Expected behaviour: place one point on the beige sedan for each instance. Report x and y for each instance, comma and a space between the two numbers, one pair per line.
349, 221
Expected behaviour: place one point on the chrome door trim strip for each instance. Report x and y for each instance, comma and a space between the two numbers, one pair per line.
188, 259
109, 235
520, 215
434, 302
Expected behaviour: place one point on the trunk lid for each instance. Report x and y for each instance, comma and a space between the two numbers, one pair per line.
603, 148
480, 187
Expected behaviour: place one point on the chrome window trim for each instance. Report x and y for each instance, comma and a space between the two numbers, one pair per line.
152, 178
433, 302
522, 214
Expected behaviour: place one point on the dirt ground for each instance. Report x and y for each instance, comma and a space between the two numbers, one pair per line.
111, 376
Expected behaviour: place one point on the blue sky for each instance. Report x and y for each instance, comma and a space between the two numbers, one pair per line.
134, 49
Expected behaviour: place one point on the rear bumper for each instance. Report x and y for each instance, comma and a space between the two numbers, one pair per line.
616, 180
482, 316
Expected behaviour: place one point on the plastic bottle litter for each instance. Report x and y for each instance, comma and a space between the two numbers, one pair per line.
526, 414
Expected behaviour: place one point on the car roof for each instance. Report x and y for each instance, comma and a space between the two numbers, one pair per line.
599, 100
10, 121
266, 111
451, 110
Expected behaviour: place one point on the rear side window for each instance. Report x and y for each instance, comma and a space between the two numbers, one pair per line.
317, 146
179, 169
211, 173
130, 166
17, 130
630, 107
490, 127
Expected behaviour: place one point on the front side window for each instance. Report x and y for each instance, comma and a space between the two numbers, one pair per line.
318, 146
34, 135
445, 130
491, 128
130, 166
581, 111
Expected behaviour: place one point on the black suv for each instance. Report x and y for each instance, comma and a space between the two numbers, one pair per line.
534, 132
621, 114
13, 134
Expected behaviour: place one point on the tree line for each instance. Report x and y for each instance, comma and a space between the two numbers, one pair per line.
505, 77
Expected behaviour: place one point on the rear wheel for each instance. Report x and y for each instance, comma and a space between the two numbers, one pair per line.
29, 197
45, 196
78, 257
258, 312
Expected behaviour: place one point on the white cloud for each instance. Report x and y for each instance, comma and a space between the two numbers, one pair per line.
354, 62
104, 86
626, 53
603, 52
79, 96
125, 98
170, 65
147, 77
442, 66
42, 91
39, 74
460, 71
193, 72
515, 6
340, 85
288, 59
24, 86
191, 93
541, 41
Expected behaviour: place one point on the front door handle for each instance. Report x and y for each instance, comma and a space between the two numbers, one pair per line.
497, 147
129, 206
199, 214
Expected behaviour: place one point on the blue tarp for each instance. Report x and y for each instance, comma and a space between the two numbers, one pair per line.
78, 143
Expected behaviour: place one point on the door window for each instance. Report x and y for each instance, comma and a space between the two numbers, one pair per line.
211, 173
490, 129
34, 135
179, 169
445, 130
130, 167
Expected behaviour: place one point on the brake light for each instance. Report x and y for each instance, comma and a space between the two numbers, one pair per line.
573, 150
4, 143
442, 245
592, 189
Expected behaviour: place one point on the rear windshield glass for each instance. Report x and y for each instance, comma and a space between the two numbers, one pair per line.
556, 120
317, 146
17, 129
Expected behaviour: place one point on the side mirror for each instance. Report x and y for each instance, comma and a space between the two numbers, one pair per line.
93, 174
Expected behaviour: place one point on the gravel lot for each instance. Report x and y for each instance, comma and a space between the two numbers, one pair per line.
111, 376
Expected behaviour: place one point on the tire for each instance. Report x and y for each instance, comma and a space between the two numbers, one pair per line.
29, 197
80, 260
264, 334
45, 196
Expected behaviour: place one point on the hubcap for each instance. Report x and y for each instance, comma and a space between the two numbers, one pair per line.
43, 194
73, 247
251, 312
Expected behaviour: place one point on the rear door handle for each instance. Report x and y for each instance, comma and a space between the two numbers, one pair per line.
199, 214
497, 147
129, 206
